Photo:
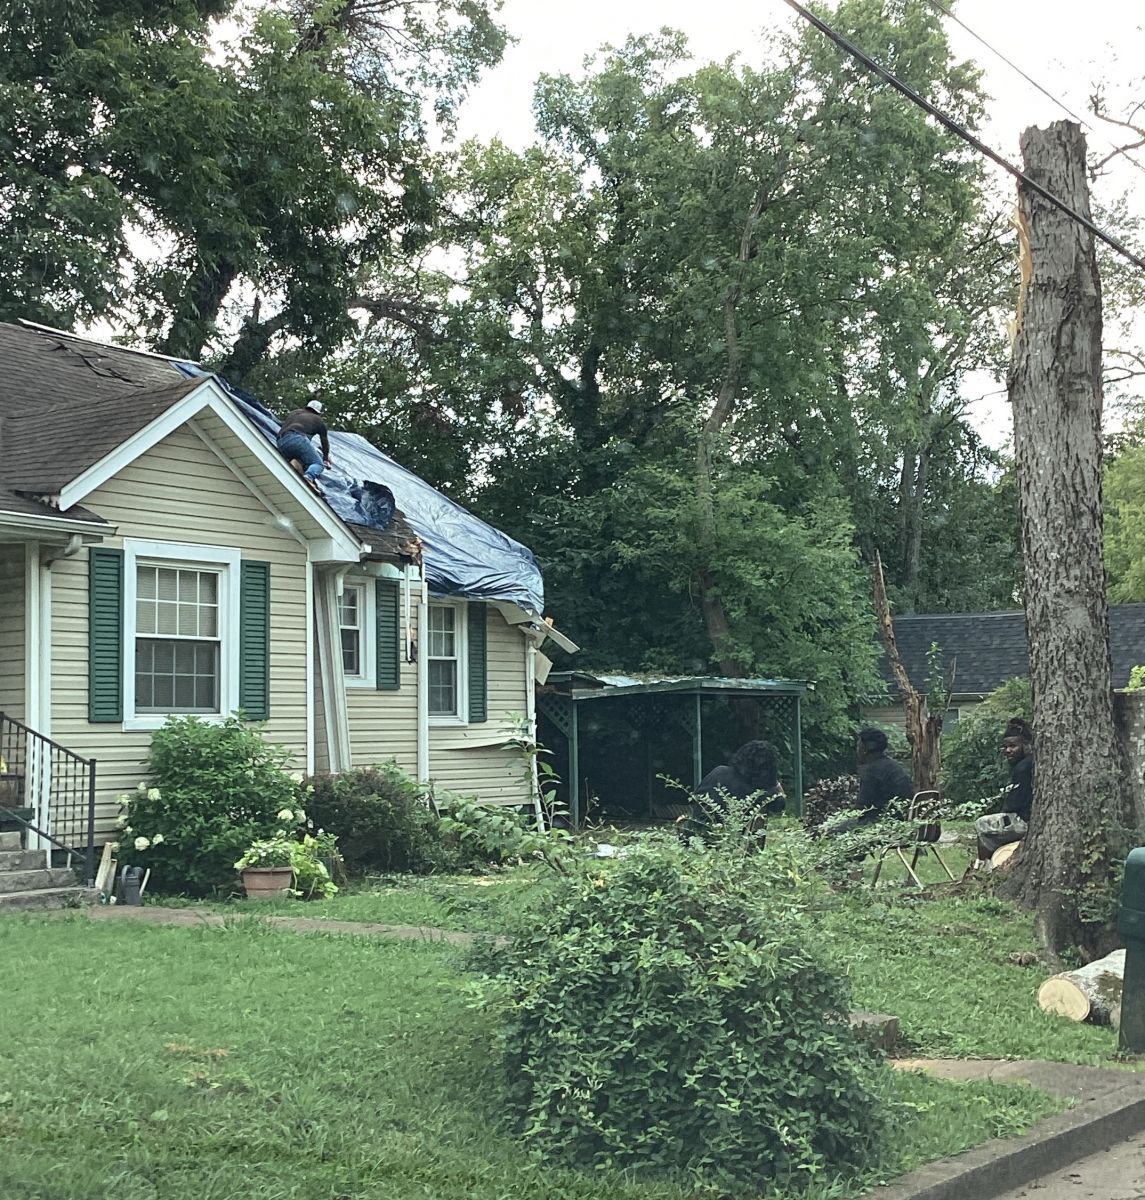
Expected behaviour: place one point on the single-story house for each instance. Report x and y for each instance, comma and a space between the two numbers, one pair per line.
158, 556
985, 650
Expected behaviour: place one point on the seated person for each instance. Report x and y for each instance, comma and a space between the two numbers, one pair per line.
752, 771
881, 780
999, 829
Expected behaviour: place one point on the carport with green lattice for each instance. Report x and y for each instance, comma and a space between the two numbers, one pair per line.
628, 748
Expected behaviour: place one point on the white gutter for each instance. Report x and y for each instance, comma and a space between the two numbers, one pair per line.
45, 525
423, 682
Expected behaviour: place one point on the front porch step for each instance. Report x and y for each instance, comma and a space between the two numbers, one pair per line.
29, 881
41, 899
23, 860
10, 840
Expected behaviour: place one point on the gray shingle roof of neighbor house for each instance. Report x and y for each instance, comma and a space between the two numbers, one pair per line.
989, 648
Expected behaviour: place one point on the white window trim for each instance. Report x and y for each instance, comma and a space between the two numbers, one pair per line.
368, 648
461, 642
177, 554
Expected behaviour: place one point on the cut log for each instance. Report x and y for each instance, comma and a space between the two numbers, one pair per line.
1092, 992
1003, 854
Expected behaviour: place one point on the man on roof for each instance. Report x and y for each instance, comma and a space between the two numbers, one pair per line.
296, 442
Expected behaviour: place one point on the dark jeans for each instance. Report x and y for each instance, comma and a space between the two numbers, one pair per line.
299, 446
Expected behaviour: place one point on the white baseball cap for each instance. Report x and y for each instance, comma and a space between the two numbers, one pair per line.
316, 405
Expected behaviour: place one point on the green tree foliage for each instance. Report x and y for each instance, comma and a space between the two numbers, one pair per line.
221, 183
1124, 496
706, 351
973, 767
671, 1011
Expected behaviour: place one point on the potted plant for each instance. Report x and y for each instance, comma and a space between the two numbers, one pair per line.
267, 867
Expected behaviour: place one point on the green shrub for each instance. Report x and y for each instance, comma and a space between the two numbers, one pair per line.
973, 767
382, 820
214, 788
665, 1011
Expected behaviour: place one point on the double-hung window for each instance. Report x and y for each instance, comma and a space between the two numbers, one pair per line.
357, 631
446, 662
178, 652
180, 631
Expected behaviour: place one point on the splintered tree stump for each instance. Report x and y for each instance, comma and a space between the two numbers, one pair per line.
1003, 854
1091, 993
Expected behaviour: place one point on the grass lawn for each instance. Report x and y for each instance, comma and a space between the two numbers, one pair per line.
248, 1063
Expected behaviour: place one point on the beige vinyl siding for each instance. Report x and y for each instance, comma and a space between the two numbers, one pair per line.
461, 759
891, 716
12, 627
179, 491
383, 724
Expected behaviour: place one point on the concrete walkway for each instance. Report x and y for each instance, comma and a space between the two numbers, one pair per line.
1114, 1174
189, 917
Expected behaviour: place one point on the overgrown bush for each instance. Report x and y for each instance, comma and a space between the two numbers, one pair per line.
666, 1011
213, 788
382, 819
973, 767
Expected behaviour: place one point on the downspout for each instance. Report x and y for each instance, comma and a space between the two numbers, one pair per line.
422, 682
531, 640
330, 664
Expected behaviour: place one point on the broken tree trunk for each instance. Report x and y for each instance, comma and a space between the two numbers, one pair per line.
1091, 993
923, 728
1056, 397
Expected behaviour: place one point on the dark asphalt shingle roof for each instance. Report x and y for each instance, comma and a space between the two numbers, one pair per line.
990, 648
66, 402
25, 506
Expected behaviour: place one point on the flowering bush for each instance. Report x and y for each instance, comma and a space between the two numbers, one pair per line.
215, 788
311, 874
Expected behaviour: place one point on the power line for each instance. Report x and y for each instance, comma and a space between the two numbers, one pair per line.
963, 133
939, 7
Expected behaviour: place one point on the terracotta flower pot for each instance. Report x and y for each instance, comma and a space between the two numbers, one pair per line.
267, 883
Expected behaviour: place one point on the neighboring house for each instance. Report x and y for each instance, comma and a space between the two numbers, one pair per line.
986, 649
158, 556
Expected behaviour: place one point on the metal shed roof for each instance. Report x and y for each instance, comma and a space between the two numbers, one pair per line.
583, 686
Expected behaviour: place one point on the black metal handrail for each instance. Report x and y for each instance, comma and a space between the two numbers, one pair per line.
57, 784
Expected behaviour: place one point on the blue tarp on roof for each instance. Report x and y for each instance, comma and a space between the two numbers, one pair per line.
463, 555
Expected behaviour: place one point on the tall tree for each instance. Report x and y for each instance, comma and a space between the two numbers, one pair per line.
1056, 393
221, 186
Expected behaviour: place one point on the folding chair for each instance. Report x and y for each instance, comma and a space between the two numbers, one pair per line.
925, 810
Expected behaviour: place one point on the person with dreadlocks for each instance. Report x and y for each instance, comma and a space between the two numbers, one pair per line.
999, 829
750, 772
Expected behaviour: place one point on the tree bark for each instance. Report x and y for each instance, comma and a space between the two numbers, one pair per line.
1055, 392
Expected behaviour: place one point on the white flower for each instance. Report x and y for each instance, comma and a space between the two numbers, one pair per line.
141, 787
157, 839
121, 820
284, 814
297, 776
141, 843
152, 793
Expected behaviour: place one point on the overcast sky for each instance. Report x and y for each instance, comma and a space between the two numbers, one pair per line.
1065, 46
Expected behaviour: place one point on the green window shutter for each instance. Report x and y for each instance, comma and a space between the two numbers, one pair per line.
388, 635
104, 634
478, 668
254, 640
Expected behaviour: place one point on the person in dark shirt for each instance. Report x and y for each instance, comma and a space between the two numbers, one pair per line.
1010, 825
881, 779
296, 441
751, 771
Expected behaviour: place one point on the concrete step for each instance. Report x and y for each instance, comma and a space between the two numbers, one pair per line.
39, 899
23, 860
10, 841
27, 881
